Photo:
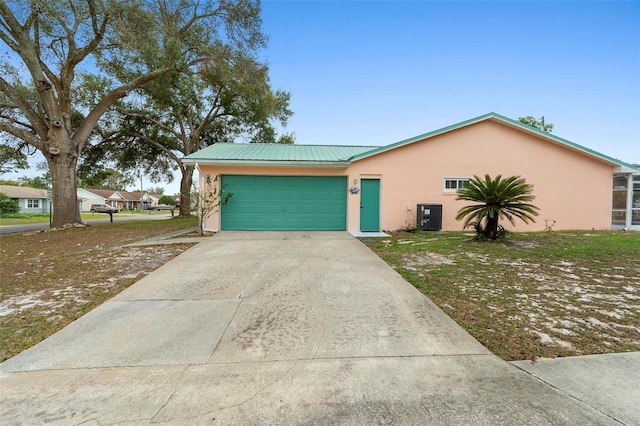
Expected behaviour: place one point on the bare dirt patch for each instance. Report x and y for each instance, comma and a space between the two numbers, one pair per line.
52, 278
532, 295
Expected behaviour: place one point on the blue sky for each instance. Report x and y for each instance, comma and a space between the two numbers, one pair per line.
374, 73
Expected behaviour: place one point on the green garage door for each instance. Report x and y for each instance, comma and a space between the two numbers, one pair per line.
285, 203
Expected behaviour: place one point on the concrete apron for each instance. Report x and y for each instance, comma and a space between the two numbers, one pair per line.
274, 328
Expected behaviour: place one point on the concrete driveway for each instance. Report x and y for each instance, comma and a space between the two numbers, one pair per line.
274, 328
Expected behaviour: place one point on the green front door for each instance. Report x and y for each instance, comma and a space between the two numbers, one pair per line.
370, 205
285, 203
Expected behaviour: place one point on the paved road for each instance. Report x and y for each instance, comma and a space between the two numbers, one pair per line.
275, 328
118, 217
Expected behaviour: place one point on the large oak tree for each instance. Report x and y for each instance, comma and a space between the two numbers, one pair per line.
226, 100
131, 43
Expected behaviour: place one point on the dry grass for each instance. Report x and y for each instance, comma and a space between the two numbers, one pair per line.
49, 279
531, 295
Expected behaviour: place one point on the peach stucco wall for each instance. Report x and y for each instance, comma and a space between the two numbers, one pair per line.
570, 187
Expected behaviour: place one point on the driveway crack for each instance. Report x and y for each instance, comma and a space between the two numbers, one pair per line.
173, 392
323, 310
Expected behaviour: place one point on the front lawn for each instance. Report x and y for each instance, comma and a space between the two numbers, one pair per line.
32, 218
51, 278
530, 295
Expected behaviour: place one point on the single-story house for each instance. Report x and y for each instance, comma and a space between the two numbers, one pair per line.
30, 200
120, 199
413, 182
87, 197
136, 200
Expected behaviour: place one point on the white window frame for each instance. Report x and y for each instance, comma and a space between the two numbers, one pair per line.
457, 180
33, 203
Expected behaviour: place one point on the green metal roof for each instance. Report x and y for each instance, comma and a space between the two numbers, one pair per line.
273, 152
513, 123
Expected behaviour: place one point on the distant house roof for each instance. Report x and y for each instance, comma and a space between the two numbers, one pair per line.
342, 156
277, 154
133, 195
104, 193
23, 192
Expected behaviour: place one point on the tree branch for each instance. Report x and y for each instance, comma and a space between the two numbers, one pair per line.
195, 17
205, 119
10, 119
83, 132
154, 122
10, 25
158, 145
22, 134
97, 39
33, 117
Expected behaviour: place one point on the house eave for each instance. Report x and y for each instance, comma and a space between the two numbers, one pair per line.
261, 163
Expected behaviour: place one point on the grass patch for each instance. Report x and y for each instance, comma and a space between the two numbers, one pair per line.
530, 295
49, 279
33, 218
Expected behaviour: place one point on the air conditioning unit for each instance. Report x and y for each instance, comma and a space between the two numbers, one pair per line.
429, 217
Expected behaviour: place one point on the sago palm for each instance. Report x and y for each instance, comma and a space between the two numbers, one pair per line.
497, 199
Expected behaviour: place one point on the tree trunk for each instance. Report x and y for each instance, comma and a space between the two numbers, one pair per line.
492, 227
185, 191
63, 165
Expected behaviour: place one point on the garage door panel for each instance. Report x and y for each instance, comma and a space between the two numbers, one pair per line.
285, 203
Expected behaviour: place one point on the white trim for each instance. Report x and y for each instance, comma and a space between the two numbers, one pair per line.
32, 200
452, 178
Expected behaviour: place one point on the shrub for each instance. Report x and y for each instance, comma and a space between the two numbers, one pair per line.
165, 199
496, 199
7, 205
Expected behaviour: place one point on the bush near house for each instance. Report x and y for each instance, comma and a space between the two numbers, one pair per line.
495, 199
165, 199
7, 205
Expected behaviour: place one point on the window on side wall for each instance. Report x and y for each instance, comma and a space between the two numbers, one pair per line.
33, 204
451, 184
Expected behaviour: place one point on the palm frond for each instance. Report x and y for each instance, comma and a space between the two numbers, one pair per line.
496, 198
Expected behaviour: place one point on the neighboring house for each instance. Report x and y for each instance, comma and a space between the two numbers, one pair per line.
120, 199
355, 188
99, 196
155, 198
30, 200
136, 200
87, 197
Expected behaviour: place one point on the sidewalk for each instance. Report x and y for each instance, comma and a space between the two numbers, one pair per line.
609, 382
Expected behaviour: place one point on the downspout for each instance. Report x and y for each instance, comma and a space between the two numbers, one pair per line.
199, 192
629, 213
